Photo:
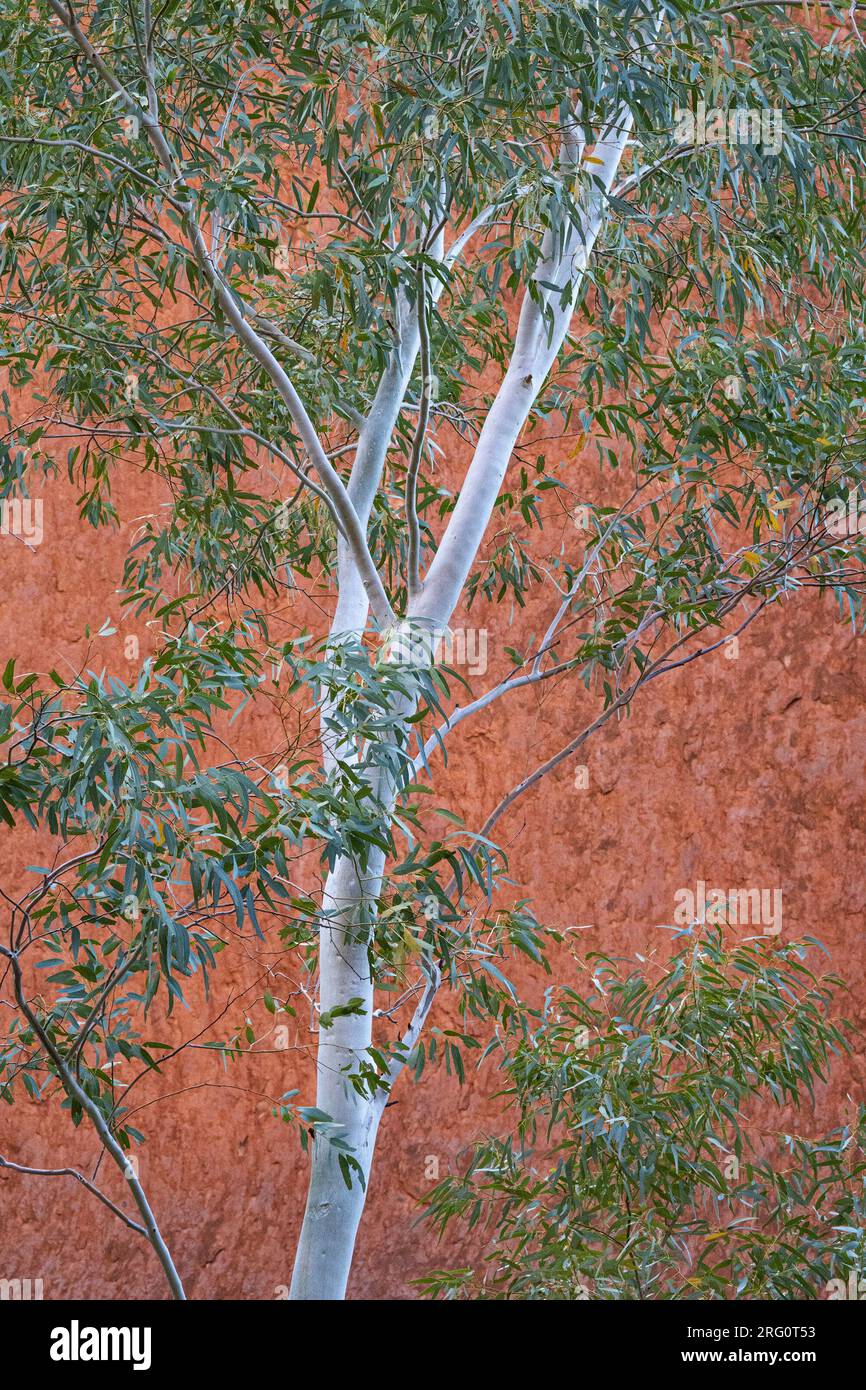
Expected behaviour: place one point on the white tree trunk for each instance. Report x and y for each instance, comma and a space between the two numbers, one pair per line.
334, 1210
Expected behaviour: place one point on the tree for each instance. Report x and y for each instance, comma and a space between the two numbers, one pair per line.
361, 243
637, 1168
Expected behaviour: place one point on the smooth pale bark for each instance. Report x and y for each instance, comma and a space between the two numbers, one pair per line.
373, 444
334, 1210
537, 345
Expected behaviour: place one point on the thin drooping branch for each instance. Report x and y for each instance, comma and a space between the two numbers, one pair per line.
343, 507
410, 1036
273, 330
636, 179
786, 5
664, 665
457, 716
547, 642
70, 23
537, 673
79, 1177
115, 975
659, 668
76, 1092
195, 384
37, 141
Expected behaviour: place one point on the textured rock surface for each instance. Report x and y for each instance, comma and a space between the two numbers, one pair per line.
743, 772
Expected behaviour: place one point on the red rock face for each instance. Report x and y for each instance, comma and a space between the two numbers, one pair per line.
745, 772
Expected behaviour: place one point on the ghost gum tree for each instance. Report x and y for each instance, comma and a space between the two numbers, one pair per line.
344, 248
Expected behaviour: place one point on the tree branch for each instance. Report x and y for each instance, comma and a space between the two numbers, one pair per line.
537, 344
413, 562
79, 1177
77, 1093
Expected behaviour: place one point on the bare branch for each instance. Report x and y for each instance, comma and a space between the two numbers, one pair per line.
411, 1035
97, 154
79, 1177
636, 179
658, 669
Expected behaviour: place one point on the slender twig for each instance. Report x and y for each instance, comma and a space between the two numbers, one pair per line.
79, 1177
621, 702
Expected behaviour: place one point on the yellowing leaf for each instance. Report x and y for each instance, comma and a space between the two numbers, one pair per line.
411, 942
